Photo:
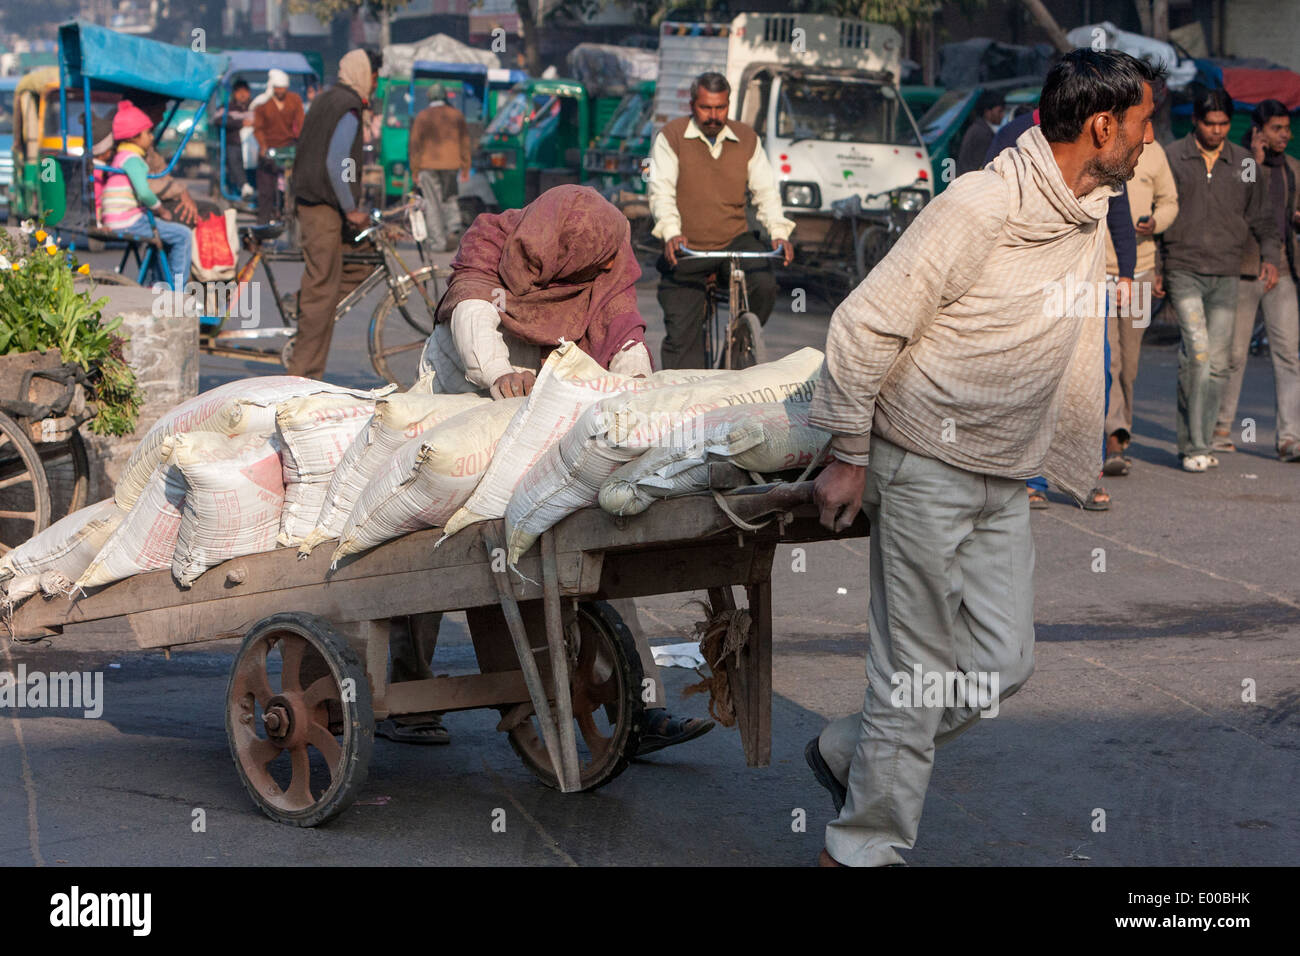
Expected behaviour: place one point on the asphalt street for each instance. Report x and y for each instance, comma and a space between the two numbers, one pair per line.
1136, 707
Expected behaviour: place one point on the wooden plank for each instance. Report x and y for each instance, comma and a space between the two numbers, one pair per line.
560, 691
758, 663
457, 693
14, 365
693, 566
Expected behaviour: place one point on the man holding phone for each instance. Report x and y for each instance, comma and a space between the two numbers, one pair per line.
1267, 140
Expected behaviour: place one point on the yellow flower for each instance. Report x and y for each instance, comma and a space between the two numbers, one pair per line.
51, 248
40, 235
17, 266
84, 269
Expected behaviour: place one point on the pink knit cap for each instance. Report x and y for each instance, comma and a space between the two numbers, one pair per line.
129, 121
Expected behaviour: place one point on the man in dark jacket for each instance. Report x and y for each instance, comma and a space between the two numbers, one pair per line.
1222, 202
989, 109
327, 186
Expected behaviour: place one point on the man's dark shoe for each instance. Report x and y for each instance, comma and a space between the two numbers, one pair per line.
665, 730
822, 772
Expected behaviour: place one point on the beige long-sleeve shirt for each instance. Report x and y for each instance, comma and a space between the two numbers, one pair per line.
663, 185
978, 339
1151, 192
469, 353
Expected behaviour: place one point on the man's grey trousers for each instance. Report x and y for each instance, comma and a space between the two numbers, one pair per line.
952, 564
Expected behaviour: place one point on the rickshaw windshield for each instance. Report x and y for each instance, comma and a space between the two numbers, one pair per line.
101, 104
518, 110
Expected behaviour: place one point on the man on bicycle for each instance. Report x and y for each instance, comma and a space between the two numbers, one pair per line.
327, 188
701, 168
277, 123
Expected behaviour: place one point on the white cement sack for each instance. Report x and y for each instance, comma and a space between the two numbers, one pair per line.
50, 583
770, 437
568, 476
233, 497
314, 432
146, 536
242, 407
67, 546
428, 479
569, 382
398, 418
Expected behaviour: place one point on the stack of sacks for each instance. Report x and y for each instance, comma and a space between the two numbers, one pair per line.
234, 494
766, 438
397, 419
314, 433
428, 478
570, 473
52, 560
226, 441
569, 382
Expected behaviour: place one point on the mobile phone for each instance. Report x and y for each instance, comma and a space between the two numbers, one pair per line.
1142, 219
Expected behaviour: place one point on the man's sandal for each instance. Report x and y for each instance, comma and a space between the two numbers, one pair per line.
1037, 500
426, 731
665, 730
1116, 466
1289, 451
1098, 500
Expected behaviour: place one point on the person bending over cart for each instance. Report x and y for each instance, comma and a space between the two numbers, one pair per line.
127, 194
560, 268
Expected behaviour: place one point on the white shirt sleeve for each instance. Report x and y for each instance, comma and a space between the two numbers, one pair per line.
632, 360
766, 201
476, 330
663, 190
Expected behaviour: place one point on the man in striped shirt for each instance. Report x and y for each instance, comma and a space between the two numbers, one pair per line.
966, 362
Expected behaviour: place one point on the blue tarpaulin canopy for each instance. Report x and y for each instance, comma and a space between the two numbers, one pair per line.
242, 61
123, 62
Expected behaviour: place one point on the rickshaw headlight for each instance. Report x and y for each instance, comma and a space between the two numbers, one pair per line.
502, 160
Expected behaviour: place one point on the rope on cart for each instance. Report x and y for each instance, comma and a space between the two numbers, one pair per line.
721, 637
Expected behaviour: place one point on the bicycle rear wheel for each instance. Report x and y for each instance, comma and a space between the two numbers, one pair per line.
402, 324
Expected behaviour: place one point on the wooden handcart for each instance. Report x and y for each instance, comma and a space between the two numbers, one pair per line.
44, 469
557, 663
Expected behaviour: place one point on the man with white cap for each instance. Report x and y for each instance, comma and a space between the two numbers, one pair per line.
277, 122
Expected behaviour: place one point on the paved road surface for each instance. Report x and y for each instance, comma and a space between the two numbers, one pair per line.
1136, 708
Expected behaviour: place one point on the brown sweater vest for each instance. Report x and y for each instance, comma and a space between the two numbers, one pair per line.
711, 192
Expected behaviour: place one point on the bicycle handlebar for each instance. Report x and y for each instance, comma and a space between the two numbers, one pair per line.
724, 254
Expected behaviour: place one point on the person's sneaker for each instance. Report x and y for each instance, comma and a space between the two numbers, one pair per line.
1211, 461
1196, 463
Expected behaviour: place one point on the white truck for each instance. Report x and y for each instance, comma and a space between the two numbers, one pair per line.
822, 94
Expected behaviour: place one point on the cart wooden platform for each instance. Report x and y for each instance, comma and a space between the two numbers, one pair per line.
554, 659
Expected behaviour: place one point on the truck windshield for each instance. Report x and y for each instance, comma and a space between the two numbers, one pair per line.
397, 108
624, 123
520, 108
842, 110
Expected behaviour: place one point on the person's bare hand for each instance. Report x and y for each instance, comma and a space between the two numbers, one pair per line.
1158, 286
464, 175
1146, 227
514, 384
162, 212
837, 492
358, 218
671, 247
189, 212
1123, 294
1268, 275
1257, 143
786, 248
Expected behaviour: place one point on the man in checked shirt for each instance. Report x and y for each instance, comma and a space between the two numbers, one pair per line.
966, 362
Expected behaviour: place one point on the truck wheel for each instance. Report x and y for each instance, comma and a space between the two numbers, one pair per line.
301, 733
605, 685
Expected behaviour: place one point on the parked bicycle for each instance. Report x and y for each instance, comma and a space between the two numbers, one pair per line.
737, 343
874, 231
399, 325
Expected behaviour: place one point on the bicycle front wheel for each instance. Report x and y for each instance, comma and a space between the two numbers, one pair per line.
747, 348
402, 324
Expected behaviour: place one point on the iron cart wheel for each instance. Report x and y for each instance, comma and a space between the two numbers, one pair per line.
402, 323
321, 704
747, 348
24, 491
605, 685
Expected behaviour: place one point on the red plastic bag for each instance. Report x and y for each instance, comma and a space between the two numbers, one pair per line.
214, 249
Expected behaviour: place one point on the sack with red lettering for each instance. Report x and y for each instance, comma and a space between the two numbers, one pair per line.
428, 479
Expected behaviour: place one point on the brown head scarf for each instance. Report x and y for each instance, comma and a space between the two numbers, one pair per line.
354, 73
545, 259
